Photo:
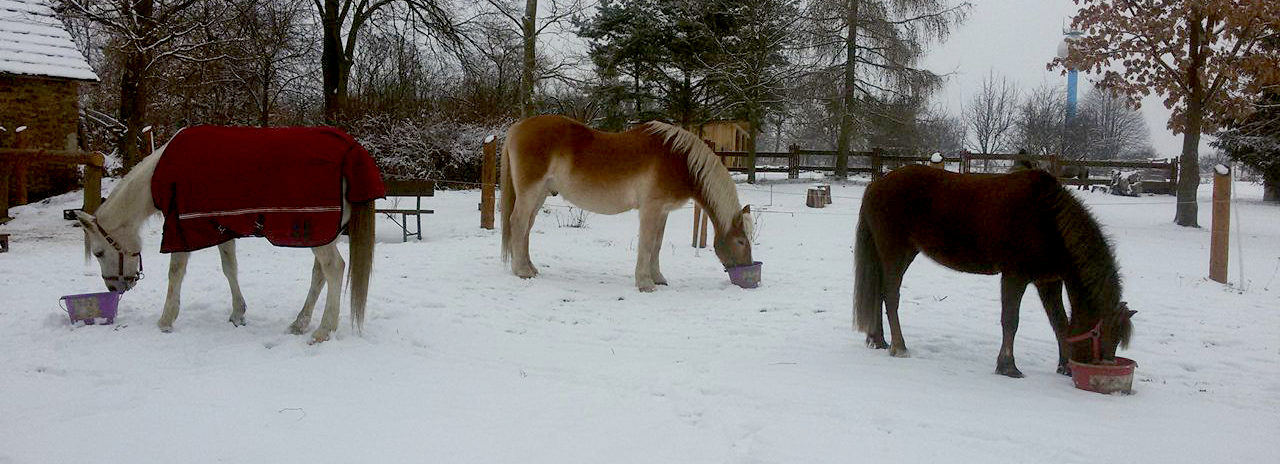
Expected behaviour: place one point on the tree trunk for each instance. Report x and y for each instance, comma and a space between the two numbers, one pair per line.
530, 40
1271, 186
133, 108
133, 86
850, 85
1189, 166
331, 58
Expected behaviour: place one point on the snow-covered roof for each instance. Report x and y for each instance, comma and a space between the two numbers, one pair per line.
33, 42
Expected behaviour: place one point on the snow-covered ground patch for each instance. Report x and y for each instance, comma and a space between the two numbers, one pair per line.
461, 362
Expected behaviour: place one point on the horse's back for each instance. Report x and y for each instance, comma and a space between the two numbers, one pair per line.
603, 172
969, 222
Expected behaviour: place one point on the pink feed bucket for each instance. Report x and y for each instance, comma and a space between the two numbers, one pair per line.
745, 276
91, 307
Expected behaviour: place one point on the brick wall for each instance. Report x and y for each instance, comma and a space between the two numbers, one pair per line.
48, 107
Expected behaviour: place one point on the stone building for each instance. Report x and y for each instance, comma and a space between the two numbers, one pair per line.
41, 71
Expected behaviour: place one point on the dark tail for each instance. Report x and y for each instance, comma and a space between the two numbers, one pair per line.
508, 202
361, 228
867, 276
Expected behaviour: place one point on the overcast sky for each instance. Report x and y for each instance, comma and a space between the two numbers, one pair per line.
1018, 38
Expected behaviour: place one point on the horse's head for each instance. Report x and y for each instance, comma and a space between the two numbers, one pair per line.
1104, 336
733, 245
121, 262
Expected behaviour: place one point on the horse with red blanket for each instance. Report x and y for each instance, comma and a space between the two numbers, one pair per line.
298, 187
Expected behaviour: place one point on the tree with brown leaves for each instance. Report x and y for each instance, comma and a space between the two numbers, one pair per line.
1202, 56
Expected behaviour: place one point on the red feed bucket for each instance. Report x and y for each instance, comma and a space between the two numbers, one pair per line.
1104, 378
745, 276
90, 307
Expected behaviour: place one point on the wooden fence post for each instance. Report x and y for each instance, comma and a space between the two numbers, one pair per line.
93, 184
6, 173
935, 160
488, 179
877, 163
793, 162
702, 237
1219, 241
697, 220
1173, 173
964, 162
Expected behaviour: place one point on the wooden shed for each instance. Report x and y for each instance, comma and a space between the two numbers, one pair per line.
41, 71
727, 136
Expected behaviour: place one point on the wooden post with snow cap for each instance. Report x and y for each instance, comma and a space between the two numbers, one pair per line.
20, 168
151, 139
1218, 239
935, 160
488, 179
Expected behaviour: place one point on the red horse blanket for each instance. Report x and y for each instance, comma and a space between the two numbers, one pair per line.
215, 184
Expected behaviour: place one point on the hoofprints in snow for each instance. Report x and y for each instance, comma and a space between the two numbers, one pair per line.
461, 362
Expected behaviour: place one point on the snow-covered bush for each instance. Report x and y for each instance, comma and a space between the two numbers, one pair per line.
427, 147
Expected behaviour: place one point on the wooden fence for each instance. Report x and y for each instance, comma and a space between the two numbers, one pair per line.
1160, 176
15, 162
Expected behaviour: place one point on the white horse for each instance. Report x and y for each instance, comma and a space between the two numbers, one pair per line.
112, 236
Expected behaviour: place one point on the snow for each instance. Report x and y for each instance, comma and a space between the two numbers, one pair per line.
33, 42
461, 362
1222, 170
489, 139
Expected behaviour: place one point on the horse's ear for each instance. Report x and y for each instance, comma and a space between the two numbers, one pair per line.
86, 220
746, 210
1129, 315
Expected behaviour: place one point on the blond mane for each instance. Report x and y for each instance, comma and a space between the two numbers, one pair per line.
716, 190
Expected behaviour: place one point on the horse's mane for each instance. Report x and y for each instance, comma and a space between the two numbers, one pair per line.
129, 203
1092, 254
716, 190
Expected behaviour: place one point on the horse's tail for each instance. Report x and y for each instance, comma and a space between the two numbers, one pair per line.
868, 292
508, 199
361, 228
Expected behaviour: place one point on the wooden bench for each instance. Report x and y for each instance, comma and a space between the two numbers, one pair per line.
408, 188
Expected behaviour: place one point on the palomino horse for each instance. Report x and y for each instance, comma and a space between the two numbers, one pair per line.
192, 179
1023, 226
655, 167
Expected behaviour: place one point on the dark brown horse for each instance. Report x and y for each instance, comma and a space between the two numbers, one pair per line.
1023, 226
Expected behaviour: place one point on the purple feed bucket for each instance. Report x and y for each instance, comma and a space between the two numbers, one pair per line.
745, 276
90, 307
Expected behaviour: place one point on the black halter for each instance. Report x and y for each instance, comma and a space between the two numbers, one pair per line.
119, 249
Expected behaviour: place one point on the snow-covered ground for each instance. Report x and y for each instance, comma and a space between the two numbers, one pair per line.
461, 362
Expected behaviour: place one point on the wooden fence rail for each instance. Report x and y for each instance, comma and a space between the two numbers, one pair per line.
1163, 174
15, 162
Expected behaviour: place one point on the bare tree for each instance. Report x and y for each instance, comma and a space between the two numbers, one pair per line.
148, 34
530, 27
992, 114
1041, 122
1114, 128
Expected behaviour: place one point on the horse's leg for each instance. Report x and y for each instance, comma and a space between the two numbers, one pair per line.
1011, 289
528, 202
893, 272
177, 270
227, 251
652, 218
303, 322
332, 264
661, 229
1051, 298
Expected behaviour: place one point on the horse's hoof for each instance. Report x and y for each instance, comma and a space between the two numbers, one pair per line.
899, 352
526, 273
1064, 370
298, 328
648, 288
876, 344
237, 321
166, 329
319, 337
659, 280
1010, 371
